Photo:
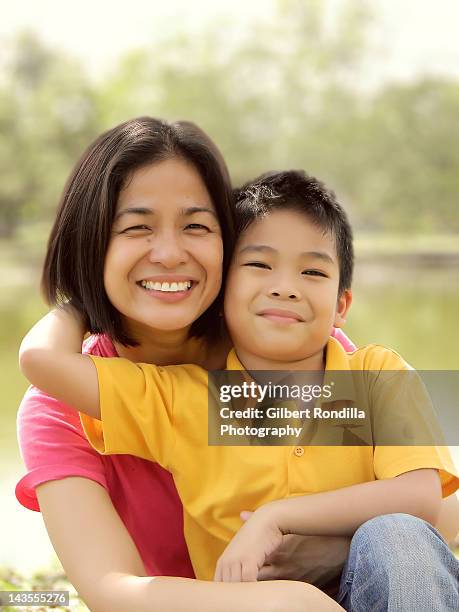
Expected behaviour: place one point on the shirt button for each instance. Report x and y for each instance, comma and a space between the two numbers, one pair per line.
299, 452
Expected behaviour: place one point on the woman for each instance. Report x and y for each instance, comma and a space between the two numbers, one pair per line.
142, 235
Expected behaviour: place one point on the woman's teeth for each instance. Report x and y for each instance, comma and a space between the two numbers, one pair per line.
180, 286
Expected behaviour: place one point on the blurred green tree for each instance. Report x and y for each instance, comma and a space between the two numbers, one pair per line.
279, 93
47, 116
259, 92
409, 165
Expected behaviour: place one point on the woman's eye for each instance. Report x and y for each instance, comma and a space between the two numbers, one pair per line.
257, 264
197, 227
313, 273
138, 228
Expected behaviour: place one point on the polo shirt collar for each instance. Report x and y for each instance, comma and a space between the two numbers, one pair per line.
232, 361
336, 359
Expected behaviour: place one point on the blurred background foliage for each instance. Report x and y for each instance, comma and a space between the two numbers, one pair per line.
281, 95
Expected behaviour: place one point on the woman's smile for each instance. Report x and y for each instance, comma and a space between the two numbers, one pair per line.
171, 290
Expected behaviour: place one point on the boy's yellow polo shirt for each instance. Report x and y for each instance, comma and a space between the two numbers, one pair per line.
161, 414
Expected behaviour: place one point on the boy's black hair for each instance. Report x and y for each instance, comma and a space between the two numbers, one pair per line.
74, 263
295, 190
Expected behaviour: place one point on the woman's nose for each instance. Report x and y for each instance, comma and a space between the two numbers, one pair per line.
167, 250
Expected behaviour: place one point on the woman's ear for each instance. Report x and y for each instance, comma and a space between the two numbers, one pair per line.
342, 306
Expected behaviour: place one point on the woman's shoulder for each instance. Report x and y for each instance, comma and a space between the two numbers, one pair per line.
38, 413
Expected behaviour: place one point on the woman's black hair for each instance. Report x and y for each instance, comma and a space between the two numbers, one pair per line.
74, 264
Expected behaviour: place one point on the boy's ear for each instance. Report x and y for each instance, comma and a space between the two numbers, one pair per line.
342, 306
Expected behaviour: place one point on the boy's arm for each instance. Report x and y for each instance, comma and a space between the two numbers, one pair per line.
333, 513
50, 357
342, 511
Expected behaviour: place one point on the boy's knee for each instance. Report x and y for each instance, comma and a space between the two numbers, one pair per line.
395, 539
391, 527
395, 557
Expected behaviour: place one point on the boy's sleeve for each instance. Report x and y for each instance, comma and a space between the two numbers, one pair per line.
391, 461
136, 406
404, 415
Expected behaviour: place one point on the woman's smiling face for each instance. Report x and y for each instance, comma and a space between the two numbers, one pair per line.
163, 266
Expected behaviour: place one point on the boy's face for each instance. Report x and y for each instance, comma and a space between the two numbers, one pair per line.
281, 298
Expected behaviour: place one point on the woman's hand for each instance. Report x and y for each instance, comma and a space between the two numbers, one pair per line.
314, 559
247, 552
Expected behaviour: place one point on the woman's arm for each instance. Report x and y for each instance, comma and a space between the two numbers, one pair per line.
50, 358
103, 564
88, 536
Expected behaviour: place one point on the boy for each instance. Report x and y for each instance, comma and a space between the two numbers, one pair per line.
288, 285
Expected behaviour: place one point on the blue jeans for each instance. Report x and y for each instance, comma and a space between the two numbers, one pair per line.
399, 563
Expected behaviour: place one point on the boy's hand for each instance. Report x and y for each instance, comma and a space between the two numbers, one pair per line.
253, 543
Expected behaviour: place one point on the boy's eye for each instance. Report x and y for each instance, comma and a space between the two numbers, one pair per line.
258, 264
313, 273
197, 227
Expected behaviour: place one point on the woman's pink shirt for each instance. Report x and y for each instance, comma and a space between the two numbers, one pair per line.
347, 344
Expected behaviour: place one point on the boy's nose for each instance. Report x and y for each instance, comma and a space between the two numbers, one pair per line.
284, 294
